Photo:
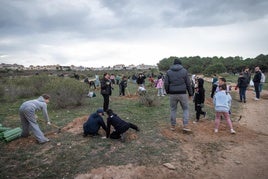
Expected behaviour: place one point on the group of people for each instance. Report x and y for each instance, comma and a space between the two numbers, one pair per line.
244, 80
177, 84
95, 121
180, 89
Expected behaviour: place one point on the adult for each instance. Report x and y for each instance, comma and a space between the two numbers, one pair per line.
106, 90
93, 124
28, 119
242, 84
177, 83
257, 80
247, 75
214, 85
141, 80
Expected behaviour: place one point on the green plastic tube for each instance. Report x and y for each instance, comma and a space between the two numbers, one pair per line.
14, 136
2, 129
12, 131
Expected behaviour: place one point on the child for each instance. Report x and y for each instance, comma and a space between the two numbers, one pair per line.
160, 86
222, 102
120, 126
199, 99
123, 86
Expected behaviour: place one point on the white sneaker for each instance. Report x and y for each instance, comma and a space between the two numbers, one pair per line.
172, 128
186, 129
233, 131
256, 99
216, 130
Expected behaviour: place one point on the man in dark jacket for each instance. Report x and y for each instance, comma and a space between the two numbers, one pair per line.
94, 122
257, 80
177, 84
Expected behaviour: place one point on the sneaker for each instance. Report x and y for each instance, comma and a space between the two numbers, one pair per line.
216, 130
205, 113
45, 141
196, 121
256, 99
233, 131
186, 129
172, 128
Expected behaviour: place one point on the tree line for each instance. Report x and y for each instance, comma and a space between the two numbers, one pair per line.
211, 65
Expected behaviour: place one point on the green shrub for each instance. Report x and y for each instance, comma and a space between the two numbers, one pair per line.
148, 99
66, 92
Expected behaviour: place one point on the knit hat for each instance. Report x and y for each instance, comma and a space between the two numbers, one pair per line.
177, 61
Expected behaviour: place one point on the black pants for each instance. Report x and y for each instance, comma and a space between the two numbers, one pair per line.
117, 133
199, 111
214, 87
106, 102
122, 91
257, 89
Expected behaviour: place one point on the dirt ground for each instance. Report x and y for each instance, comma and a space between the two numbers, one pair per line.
206, 154
243, 155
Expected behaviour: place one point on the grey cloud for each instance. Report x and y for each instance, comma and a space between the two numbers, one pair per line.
26, 17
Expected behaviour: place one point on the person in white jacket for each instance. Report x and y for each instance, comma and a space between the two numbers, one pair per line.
28, 118
222, 103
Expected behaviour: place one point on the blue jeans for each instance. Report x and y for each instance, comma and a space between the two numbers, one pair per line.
242, 93
174, 99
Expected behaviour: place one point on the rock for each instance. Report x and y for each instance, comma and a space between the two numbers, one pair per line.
169, 166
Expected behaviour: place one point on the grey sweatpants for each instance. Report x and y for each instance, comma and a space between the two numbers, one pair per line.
174, 99
28, 122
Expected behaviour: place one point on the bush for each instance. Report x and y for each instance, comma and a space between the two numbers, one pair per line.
66, 92
148, 99
18, 88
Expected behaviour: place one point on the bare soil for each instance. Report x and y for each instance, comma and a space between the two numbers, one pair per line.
203, 154
209, 155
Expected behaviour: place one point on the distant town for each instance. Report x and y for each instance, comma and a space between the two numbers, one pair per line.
17, 67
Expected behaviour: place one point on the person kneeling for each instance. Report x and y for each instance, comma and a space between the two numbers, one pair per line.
93, 124
119, 125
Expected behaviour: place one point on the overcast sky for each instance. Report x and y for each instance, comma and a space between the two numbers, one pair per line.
95, 33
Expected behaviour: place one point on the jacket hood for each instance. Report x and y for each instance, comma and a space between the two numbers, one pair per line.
176, 67
41, 99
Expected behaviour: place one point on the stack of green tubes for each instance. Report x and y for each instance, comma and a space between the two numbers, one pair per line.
7, 134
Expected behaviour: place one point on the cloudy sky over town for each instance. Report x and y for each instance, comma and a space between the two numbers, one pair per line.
97, 33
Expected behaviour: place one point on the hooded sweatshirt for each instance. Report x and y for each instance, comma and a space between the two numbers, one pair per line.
177, 81
35, 105
199, 96
222, 101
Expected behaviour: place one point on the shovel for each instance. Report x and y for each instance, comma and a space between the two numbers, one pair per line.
54, 125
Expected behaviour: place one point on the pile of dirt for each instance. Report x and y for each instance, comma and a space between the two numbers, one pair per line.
76, 126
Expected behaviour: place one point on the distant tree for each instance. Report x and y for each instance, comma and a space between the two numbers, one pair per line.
165, 63
215, 68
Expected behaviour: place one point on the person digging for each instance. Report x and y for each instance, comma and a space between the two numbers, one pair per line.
120, 126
